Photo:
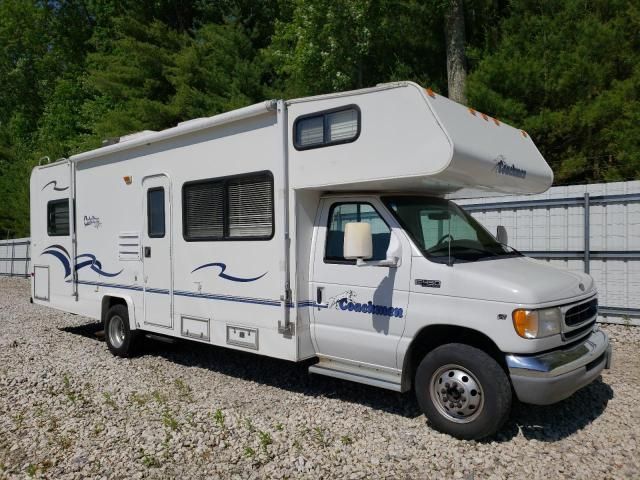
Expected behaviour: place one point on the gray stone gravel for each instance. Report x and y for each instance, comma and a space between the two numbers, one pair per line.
68, 409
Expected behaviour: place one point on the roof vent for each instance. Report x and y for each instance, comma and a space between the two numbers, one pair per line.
110, 141
134, 136
195, 120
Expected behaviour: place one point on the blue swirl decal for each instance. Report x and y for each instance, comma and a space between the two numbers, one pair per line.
61, 254
64, 259
95, 265
55, 186
226, 276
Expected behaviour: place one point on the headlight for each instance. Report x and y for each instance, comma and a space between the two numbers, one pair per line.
537, 323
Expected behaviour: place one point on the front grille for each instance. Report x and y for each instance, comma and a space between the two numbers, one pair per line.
579, 331
581, 313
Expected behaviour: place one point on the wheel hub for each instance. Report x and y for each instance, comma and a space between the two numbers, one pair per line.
116, 331
456, 393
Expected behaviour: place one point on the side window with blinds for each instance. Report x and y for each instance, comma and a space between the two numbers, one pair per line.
58, 218
232, 208
330, 127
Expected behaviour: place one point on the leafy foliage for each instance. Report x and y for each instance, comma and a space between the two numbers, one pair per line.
75, 72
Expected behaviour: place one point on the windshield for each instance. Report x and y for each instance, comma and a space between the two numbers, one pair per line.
444, 231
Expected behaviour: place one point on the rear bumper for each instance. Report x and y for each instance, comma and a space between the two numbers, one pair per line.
553, 376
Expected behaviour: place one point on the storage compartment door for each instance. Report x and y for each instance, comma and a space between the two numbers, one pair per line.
41, 283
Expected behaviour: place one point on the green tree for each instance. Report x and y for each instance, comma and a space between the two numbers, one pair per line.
338, 45
128, 81
218, 70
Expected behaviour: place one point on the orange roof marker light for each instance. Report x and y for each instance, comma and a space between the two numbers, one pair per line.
496, 121
472, 111
524, 134
430, 92
485, 117
127, 179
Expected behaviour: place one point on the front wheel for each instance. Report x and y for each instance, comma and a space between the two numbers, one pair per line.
463, 391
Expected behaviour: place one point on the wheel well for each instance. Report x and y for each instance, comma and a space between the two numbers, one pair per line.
108, 302
435, 335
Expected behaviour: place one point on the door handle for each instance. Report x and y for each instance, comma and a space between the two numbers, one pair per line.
319, 295
147, 252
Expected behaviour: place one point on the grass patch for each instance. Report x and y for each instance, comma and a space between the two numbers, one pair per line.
319, 436
218, 418
265, 440
346, 440
169, 421
249, 424
159, 397
149, 461
108, 399
139, 399
184, 390
32, 470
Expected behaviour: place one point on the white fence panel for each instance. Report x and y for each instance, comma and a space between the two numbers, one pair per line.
15, 257
551, 227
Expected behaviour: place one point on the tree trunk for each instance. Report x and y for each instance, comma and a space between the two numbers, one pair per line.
456, 59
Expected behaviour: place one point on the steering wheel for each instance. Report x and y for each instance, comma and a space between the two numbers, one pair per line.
443, 238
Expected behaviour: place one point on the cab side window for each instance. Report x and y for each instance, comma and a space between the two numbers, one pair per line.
343, 213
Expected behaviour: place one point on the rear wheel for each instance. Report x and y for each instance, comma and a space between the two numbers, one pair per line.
121, 340
463, 391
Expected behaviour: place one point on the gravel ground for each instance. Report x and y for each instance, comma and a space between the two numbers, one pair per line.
68, 409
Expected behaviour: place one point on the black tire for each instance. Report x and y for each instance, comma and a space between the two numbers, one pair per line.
483, 412
121, 340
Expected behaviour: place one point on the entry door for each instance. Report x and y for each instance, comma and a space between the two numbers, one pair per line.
362, 310
156, 251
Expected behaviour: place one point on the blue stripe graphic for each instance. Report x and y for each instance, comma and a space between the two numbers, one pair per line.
207, 296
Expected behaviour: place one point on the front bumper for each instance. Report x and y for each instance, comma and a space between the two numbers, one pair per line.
553, 376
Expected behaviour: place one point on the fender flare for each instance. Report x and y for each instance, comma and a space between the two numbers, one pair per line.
130, 308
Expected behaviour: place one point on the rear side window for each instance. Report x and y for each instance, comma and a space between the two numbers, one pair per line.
155, 212
58, 218
331, 127
230, 208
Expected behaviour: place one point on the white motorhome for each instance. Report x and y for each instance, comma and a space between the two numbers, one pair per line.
318, 227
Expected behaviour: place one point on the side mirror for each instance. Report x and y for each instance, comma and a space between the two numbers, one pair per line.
501, 235
358, 242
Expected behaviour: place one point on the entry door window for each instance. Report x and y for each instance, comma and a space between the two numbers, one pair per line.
155, 212
343, 213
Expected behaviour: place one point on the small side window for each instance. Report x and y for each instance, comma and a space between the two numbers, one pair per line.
331, 127
343, 213
155, 212
58, 218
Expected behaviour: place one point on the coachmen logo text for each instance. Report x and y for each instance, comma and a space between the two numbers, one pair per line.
503, 168
369, 307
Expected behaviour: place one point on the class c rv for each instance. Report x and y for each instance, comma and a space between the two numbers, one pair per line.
320, 228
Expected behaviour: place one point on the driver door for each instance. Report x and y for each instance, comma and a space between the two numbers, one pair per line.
362, 309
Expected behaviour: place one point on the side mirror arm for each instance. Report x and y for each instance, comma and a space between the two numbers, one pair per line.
394, 255
393, 262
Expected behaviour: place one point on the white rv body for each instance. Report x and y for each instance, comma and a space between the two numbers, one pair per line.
278, 295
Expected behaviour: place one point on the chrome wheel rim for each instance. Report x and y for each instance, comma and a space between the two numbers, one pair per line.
457, 393
116, 331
